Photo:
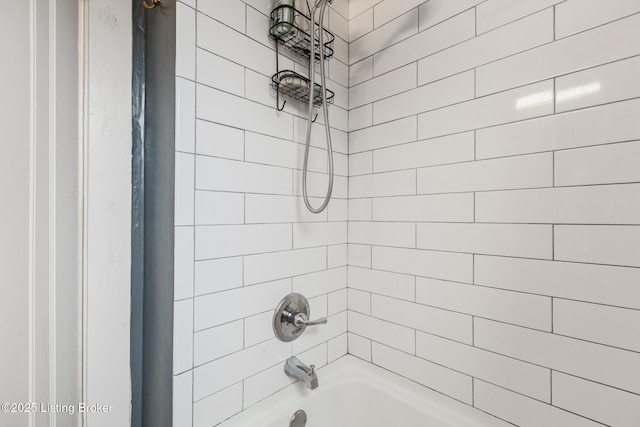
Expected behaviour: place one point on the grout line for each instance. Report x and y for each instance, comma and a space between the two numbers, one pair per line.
553, 241
473, 391
326, 263
195, 174
200, 119
555, 95
475, 20
496, 190
370, 248
461, 223
551, 386
415, 234
409, 37
195, 149
280, 251
604, 24
487, 63
499, 59
475, 84
473, 331
373, 106
244, 403
474, 207
263, 342
499, 354
373, 18
327, 258
242, 273
554, 23
553, 169
475, 144
536, 151
473, 269
492, 125
356, 267
552, 299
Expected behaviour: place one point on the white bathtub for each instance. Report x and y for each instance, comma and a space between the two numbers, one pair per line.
353, 393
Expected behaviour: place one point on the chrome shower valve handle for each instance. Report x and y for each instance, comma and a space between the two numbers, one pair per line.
301, 321
291, 317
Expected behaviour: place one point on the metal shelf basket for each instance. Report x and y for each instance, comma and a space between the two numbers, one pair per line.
297, 36
296, 86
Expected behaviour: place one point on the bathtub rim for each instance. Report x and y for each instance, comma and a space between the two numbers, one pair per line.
350, 369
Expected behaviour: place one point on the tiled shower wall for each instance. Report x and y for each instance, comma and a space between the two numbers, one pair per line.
492, 249
494, 203
243, 236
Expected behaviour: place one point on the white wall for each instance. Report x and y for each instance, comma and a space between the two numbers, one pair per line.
65, 178
107, 156
40, 224
243, 237
14, 225
494, 203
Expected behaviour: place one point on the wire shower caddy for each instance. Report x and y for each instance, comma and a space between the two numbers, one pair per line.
297, 38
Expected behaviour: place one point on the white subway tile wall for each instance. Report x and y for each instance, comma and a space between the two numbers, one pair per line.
483, 237
244, 238
505, 134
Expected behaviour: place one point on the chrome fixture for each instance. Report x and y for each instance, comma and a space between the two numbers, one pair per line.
299, 419
291, 317
318, 5
294, 368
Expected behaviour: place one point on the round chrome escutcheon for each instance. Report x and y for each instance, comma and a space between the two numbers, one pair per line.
284, 329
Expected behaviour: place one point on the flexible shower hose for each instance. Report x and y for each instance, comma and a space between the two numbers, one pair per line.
325, 111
